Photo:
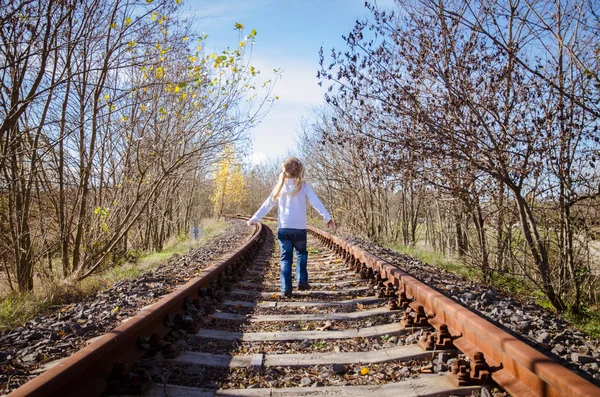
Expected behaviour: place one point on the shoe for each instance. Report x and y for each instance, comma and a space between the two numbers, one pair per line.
286, 293
303, 286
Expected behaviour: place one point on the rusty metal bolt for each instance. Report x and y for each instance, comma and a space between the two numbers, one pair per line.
479, 367
363, 273
392, 305
370, 273
390, 290
427, 341
403, 301
407, 319
420, 316
443, 337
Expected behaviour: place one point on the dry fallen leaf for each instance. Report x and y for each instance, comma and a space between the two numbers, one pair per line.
364, 371
328, 325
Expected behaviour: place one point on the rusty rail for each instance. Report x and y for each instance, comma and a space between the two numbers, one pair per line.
514, 365
87, 372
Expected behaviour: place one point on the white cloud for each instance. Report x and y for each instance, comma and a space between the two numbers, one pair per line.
298, 92
215, 14
298, 83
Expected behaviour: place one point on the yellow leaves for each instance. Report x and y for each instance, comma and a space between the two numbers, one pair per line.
252, 34
239, 26
364, 371
128, 21
177, 1
154, 16
162, 19
131, 43
192, 59
149, 1
158, 45
113, 25
177, 89
199, 48
230, 188
116, 309
144, 108
252, 71
242, 44
184, 38
213, 55
124, 119
106, 97
276, 96
159, 73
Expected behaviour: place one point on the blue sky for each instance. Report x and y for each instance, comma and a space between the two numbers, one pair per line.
290, 33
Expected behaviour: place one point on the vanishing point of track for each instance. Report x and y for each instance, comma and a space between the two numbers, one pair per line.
194, 336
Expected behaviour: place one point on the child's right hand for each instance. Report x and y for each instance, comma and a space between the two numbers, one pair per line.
331, 224
250, 223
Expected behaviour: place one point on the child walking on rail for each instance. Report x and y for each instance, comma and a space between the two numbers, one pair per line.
291, 193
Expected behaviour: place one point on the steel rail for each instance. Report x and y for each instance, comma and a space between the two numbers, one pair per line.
516, 366
87, 372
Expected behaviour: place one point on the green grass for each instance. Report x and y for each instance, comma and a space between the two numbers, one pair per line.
16, 309
587, 321
436, 259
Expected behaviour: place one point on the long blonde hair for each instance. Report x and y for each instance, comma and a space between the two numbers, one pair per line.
292, 168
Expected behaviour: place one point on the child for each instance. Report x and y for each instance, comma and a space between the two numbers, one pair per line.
291, 193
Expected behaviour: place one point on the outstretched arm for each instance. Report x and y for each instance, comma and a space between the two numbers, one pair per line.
262, 211
318, 205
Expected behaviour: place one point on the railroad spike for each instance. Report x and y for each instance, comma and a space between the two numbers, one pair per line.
403, 300
440, 340
407, 320
427, 341
480, 370
420, 316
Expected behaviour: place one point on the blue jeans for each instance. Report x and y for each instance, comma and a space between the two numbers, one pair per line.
290, 239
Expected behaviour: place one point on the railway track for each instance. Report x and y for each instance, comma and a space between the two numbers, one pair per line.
364, 328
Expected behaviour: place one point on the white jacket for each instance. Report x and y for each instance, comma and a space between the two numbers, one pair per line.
292, 207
